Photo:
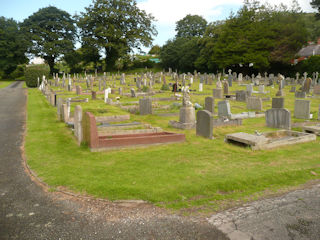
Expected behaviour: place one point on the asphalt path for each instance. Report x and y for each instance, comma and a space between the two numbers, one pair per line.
29, 211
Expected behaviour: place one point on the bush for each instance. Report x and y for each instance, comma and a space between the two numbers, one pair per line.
165, 87
33, 72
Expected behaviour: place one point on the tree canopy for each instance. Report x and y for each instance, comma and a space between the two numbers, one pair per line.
116, 27
316, 5
12, 46
52, 33
191, 26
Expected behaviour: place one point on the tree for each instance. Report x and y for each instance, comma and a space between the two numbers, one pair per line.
116, 27
155, 50
180, 53
191, 26
52, 33
12, 46
316, 5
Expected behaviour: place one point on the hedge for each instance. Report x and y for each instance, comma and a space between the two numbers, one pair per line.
33, 72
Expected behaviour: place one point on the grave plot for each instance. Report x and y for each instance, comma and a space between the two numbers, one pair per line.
315, 129
269, 140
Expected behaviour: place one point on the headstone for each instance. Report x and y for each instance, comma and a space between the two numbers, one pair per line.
280, 93
250, 88
224, 109
278, 118
277, 102
209, 104
316, 90
307, 85
241, 96
302, 109
240, 76
78, 90
59, 108
217, 93
133, 92
225, 88
94, 95
219, 84
293, 89
145, 106
230, 78
78, 123
204, 126
261, 89
200, 87
300, 94
254, 103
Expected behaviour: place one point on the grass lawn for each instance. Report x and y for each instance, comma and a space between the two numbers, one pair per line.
198, 174
4, 84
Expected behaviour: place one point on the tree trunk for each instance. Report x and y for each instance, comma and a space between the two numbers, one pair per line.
111, 57
50, 61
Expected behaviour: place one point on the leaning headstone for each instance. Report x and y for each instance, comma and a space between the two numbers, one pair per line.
209, 104
78, 123
204, 126
300, 94
277, 102
278, 118
241, 96
302, 109
224, 109
217, 93
254, 103
145, 106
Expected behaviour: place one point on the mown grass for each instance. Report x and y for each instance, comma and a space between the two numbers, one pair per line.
5, 83
198, 173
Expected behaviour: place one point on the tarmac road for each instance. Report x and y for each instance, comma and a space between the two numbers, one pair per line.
27, 211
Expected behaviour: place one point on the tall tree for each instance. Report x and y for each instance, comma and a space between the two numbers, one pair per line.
116, 27
12, 46
316, 5
191, 26
52, 32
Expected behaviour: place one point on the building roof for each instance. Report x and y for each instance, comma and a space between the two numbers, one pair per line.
309, 50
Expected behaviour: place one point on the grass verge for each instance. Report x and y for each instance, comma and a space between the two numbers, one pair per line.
199, 173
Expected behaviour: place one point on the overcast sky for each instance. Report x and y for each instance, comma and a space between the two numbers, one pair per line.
167, 12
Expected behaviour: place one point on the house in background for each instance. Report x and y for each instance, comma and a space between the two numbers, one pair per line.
312, 49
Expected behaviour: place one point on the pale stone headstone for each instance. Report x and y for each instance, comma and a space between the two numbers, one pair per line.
240, 76
209, 104
302, 109
278, 118
200, 87
106, 95
277, 102
250, 88
204, 126
224, 109
307, 85
254, 103
217, 93
230, 78
145, 106
133, 92
219, 84
78, 124
261, 88
187, 115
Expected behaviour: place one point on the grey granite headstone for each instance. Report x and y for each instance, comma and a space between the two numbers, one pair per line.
224, 109
204, 126
145, 106
217, 93
277, 102
278, 118
302, 109
241, 96
254, 103
300, 94
209, 104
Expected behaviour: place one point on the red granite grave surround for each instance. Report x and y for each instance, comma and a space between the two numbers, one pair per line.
90, 132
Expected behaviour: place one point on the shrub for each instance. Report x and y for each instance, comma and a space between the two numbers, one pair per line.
165, 87
145, 89
33, 72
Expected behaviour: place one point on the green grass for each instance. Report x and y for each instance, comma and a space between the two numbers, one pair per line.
199, 173
5, 83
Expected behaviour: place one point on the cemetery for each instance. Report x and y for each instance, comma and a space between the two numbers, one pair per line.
132, 124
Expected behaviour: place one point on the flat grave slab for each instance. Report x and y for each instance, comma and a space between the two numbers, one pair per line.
315, 129
269, 140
